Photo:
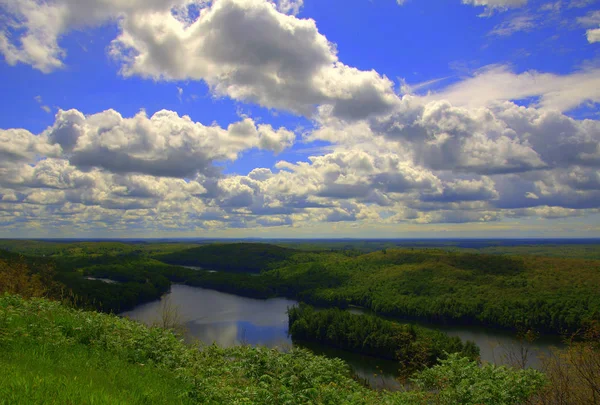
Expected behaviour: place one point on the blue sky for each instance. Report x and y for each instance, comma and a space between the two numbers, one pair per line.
299, 118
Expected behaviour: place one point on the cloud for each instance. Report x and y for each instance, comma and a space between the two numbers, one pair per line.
33, 28
39, 100
495, 5
504, 156
579, 3
552, 7
290, 6
591, 19
20, 145
515, 24
464, 153
440, 136
56, 193
457, 217
345, 186
164, 144
465, 190
244, 49
593, 35
550, 212
573, 188
248, 51
498, 83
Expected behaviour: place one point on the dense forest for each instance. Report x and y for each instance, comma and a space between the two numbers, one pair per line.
82, 280
412, 347
547, 294
233, 257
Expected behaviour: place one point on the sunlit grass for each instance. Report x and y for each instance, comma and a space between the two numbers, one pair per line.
75, 374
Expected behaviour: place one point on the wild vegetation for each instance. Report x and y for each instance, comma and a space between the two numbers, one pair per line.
574, 373
55, 354
412, 347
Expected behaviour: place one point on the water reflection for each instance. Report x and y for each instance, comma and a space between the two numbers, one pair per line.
228, 320
378, 373
496, 346
503, 348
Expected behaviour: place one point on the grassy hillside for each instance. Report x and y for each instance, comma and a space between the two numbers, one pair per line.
233, 257
55, 355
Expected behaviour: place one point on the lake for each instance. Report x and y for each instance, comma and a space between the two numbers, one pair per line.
228, 320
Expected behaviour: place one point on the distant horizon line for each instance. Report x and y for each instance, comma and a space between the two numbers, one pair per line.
307, 239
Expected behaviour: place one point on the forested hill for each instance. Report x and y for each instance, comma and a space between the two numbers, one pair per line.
547, 294
233, 257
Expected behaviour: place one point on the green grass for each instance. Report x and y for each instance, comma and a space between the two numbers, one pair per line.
35, 374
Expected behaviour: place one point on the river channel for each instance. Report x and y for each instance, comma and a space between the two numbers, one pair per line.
228, 319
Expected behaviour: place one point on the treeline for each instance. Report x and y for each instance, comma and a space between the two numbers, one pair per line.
413, 347
231, 257
136, 280
115, 297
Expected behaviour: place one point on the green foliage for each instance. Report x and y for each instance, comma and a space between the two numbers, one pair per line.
233, 257
579, 251
55, 354
550, 295
135, 280
29, 276
73, 374
459, 380
499, 247
413, 347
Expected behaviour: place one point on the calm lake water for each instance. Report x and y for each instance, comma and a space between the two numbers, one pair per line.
228, 319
